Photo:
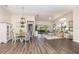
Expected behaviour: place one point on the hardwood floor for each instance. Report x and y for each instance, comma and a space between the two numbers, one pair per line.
41, 46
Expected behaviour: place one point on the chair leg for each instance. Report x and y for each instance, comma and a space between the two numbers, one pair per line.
13, 41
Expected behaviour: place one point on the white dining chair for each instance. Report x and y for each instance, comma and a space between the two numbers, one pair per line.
27, 37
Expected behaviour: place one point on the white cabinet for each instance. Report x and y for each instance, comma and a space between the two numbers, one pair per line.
67, 35
4, 32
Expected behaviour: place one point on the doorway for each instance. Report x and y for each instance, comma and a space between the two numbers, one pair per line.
30, 29
30, 25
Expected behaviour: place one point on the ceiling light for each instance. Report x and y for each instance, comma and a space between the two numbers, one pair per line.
50, 18
62, 19
22, 18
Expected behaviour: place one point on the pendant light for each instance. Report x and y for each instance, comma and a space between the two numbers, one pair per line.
22, 17
22, 21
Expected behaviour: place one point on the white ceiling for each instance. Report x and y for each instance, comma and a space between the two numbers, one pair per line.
45, 10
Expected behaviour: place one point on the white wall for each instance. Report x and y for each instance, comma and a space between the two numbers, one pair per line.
76, 25
5, 16
43, 22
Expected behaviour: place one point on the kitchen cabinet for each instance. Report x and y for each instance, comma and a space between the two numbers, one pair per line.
4, 32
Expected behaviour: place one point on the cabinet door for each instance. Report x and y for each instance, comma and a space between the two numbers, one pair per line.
3, 32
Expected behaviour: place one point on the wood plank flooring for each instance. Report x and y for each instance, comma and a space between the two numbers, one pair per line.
41, 46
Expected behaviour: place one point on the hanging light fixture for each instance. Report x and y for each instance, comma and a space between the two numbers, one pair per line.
22, 18
22, 21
